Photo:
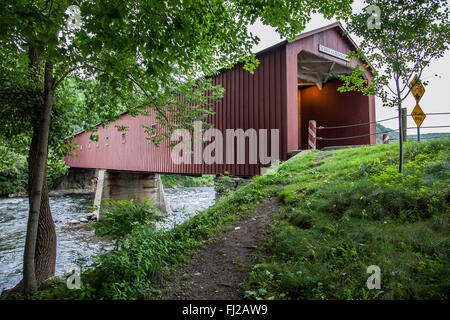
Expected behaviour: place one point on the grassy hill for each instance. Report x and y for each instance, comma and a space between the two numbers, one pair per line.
393, 135
335, 214
352, 209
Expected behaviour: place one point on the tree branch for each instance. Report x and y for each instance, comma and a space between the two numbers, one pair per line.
418, 59
390, 89
132, 79
57, 83
420, 74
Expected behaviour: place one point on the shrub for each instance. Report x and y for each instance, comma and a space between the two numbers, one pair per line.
56, 169
14, 171
178, 180
132, 269
122, 217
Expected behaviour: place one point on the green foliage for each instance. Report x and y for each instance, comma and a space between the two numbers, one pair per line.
178, 180
20, 94
301, 220
56, 170
131, 270
224, 185
14, 171
130, 57
356, 210
121, 217
339, 214
139, 56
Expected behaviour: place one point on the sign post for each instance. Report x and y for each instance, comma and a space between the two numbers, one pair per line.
418, 116
417, 90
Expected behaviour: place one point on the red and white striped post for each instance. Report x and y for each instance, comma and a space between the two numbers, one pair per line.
312, 134
385, 138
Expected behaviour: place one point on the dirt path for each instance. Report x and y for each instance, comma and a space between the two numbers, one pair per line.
220, 267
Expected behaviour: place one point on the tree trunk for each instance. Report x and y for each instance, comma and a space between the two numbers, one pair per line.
38, 191
40, 265
45, 255
400, 126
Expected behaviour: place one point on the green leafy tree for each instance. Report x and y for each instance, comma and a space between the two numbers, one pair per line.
399, 39
138, 56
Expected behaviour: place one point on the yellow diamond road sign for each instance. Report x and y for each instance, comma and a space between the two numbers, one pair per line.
418, 115
417, 88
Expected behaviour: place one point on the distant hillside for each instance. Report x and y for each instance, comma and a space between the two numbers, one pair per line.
382, 129
393, 135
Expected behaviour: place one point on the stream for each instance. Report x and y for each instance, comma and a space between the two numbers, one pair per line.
77, 246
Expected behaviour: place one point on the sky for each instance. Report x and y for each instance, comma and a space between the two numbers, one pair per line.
437, 92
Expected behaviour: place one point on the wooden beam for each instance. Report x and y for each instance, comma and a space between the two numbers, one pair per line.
313, 70
329, 72
317, 79
307, 78
315, 61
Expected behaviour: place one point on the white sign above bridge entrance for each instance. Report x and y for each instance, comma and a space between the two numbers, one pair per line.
333, 52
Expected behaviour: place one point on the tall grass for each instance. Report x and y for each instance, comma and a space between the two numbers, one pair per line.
340, 212
355, 210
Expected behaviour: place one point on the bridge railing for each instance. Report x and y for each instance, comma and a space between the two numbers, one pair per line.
313, 128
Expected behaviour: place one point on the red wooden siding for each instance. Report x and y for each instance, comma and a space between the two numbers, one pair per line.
250, 101
267, 99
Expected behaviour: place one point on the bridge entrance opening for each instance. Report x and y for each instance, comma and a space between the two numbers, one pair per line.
318, 99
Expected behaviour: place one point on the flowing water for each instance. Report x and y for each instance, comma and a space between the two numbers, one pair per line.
77, 244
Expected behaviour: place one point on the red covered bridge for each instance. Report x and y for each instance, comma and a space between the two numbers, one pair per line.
295, 82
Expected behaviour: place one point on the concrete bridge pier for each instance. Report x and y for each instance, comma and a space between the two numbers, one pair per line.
126, 185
